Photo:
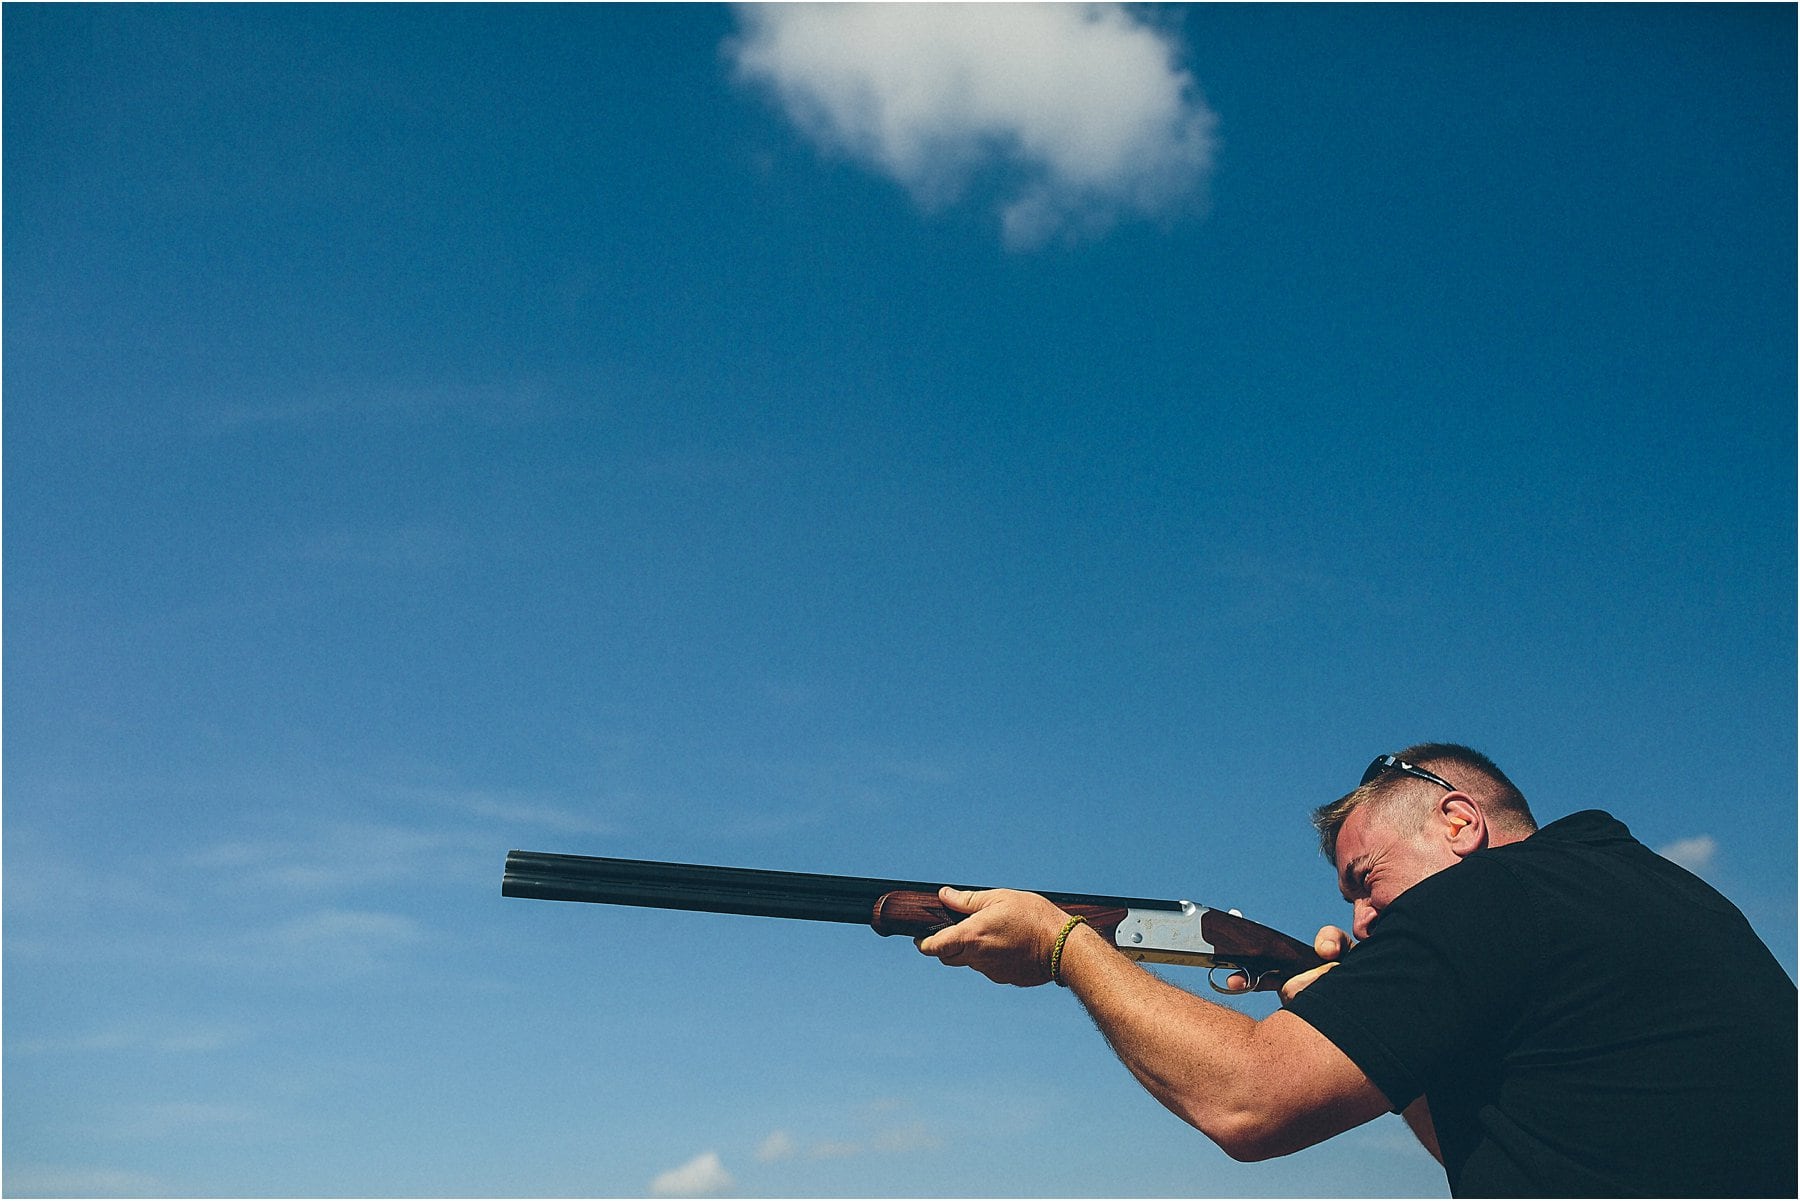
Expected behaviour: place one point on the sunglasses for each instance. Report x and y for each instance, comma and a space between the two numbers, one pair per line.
1392, 763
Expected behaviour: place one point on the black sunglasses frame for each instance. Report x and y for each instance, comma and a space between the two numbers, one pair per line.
1385, 763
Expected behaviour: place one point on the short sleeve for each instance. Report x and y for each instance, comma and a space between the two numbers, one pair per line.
1437, 979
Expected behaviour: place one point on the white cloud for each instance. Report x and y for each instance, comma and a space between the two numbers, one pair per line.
1076, 115
778, 1146
1696, 854
702, 1176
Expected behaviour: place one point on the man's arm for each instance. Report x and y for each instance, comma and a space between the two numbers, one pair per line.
1257, 1088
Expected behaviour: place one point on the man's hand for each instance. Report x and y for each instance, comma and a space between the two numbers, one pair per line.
1329, 944
1008, 936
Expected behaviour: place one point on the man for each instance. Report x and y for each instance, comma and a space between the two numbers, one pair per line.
1524, 997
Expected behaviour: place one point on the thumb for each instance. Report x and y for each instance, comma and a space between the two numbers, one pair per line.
1330, 943
965, 900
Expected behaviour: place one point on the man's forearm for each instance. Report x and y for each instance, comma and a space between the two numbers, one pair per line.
1256, 1088
1191, 1055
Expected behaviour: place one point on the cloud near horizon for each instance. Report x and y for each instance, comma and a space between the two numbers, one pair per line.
1081, 113
702, 1176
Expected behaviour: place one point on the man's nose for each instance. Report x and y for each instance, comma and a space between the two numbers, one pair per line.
1363, 918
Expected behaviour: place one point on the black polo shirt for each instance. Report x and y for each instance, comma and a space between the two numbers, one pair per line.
1585, 1018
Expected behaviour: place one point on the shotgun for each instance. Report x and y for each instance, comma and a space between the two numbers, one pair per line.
1148, 931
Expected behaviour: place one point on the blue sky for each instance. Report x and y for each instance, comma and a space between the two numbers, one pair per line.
1015, 447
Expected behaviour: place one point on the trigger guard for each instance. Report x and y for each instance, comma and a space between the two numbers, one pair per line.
1236, 992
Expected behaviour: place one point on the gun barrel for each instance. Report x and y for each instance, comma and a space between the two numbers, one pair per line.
542, 876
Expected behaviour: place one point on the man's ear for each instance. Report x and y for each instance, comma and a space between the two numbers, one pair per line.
1464, 827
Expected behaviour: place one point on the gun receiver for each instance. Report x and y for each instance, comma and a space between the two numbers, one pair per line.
1149, 931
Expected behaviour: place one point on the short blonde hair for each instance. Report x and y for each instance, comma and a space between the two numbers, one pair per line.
1470, 770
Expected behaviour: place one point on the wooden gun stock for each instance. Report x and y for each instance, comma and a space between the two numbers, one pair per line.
1269, 957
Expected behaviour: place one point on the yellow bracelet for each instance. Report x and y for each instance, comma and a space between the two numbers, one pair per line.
1056, 952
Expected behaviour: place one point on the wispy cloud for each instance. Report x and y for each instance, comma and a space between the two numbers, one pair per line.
53, 877
890, 1131
1697, 854
334, 941
906, 1138
1075, 115
404, 547
167, 1119
322, 945
334, 857
900, 1139
521, 811
298, 896
558, 812
75, 1180
195, 1040
372, 402
702, 1176
453, 827
329, 926
778, 1146
1250, 590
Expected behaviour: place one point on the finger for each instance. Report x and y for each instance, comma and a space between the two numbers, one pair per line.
950, 940
940, 944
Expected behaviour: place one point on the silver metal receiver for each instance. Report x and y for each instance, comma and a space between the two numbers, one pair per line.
1165, 936
1174, 936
